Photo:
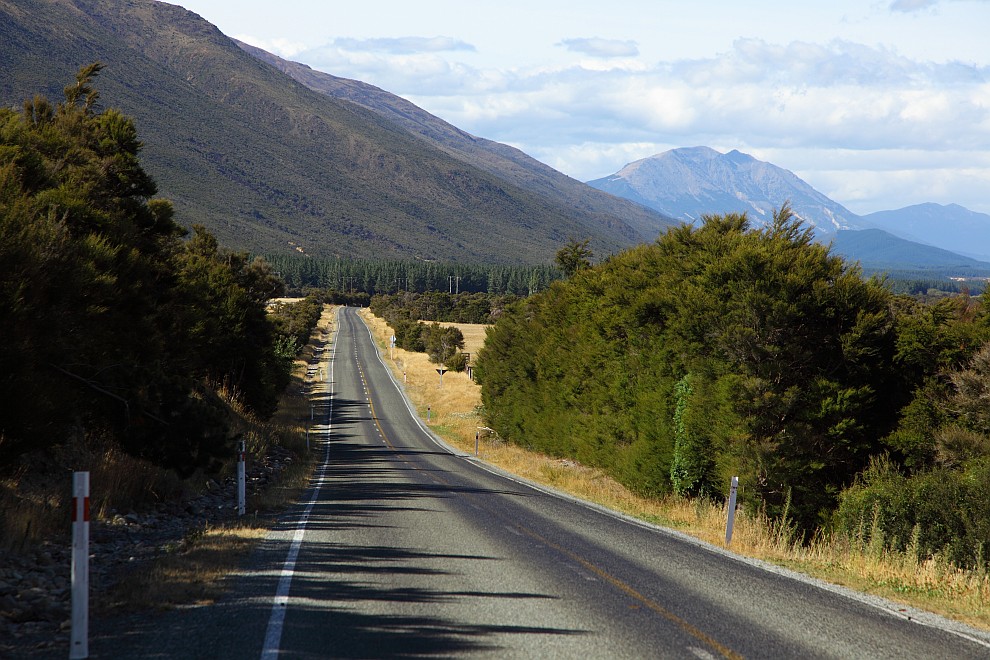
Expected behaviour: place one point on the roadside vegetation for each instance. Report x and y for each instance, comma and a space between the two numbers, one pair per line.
192, 571
722, 350
131, 348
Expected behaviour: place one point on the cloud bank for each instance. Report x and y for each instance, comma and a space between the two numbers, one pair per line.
829, 111
601, 47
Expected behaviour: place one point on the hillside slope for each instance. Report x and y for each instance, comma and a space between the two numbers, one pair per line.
266, 163
496, 158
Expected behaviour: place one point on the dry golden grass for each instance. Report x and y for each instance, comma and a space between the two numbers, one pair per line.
474, 335
190, 573
931, 584
35, 507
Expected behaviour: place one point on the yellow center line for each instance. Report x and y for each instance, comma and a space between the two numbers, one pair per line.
374, 415
648, 602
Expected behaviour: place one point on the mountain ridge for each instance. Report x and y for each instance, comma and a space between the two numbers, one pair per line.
269, 165
948, 226
688, 183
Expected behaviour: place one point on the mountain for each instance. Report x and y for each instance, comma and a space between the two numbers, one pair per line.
924, 240
878, 250
951, 227
506, 162
691, 182
270, 165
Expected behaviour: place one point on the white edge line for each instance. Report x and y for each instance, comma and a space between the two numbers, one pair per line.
273, 634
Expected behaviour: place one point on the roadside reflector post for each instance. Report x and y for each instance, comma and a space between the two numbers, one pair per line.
732, 510
428, 413
241, 451
79, 642
477, 436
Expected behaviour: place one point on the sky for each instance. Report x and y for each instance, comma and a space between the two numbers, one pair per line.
879, 104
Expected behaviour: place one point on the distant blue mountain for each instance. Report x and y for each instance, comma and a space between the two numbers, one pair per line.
877, 249
689, 183
947, 226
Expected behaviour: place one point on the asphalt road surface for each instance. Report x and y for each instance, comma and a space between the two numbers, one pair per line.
405, 549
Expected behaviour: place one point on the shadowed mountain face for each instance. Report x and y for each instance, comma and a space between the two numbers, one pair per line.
268, 164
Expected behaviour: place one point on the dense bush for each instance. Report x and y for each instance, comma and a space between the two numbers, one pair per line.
112, 324
941, 510
717, 351
443, 307
295, 321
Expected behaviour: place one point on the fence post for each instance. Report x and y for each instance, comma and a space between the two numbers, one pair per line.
241, 450
79, 643
732, 510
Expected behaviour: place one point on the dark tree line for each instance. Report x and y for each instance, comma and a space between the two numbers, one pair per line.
112, 325
345, 276
723, 350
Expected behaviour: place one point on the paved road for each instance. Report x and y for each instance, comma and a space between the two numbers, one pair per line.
404, 549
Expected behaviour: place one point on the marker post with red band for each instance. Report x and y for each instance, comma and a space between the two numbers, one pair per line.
241, 458
79, 641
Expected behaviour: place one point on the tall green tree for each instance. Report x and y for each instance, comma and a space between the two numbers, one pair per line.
720, 350
574, 256
103, 306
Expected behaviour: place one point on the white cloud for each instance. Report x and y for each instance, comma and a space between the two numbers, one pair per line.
403, 45
285, 48
835, 100
601, 47
908, 6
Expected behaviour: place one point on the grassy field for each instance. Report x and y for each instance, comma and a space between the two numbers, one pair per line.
930, 583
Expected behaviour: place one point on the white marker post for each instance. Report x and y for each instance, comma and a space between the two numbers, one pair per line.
477, 437
241, 451
732, 510
79, 642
